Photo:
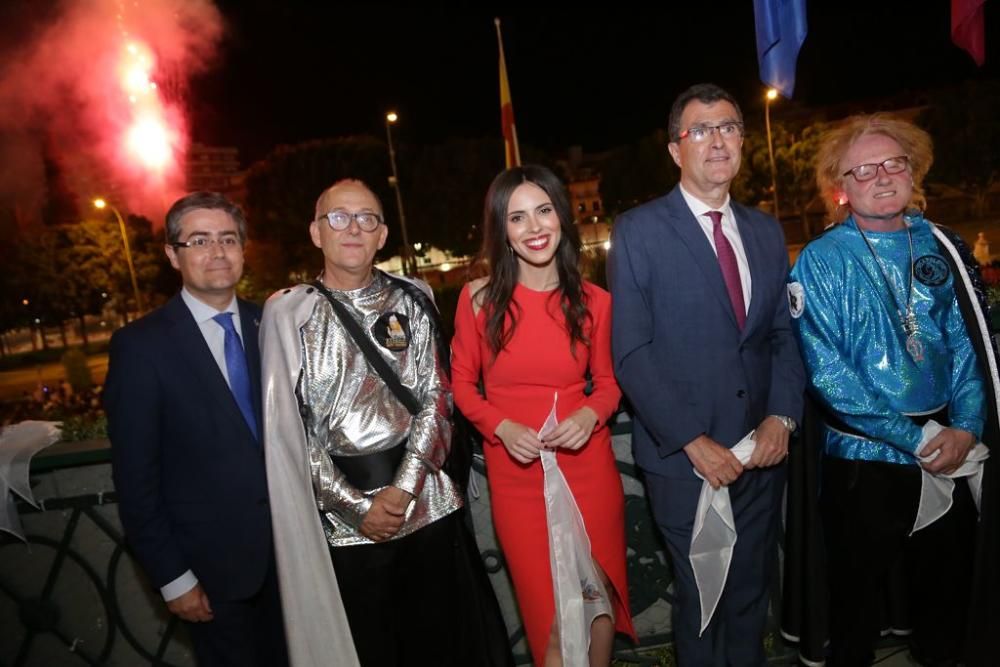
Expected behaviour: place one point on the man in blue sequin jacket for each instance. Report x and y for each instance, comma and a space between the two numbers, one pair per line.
893, 335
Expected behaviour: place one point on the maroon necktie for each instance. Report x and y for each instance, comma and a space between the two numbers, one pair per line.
730, 269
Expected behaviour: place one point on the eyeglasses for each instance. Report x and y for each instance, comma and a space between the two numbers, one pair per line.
866, 172
341, 220
227, 242
700, 133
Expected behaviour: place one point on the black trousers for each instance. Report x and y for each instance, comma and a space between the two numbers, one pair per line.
868, 513
400, 597
243, 633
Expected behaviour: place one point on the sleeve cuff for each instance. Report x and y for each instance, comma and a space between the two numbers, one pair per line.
411, 474
490, 435
602, 411
351, 509
972, 425
355, 513
179, 586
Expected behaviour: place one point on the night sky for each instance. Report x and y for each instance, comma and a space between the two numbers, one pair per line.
294, 71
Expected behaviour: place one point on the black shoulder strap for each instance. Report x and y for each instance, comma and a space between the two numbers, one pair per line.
367, 347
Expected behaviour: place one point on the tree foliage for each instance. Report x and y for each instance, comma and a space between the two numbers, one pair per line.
69, 271
282, 190
637, 173
445, 190
965, 126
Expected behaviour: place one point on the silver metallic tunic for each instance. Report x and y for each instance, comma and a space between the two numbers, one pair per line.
348, 410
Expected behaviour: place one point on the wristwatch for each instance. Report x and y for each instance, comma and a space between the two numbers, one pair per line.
787, 422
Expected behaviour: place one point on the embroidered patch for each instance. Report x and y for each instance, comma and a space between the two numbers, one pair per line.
392, 331
591, 593
931, 270
796, 299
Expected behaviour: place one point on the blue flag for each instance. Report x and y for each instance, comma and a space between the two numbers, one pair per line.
781, 29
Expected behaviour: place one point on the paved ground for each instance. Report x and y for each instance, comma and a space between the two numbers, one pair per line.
896, 657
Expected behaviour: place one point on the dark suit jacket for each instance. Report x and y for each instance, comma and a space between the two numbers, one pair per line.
679, 356
190, 477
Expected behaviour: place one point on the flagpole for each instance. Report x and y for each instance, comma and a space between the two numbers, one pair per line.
512, 151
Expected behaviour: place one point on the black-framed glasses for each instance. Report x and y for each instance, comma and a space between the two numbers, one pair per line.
866, 172
341, 220
227, 242
700, 133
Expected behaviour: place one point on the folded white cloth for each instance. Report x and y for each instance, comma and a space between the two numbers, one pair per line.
18, 443
714, 536
936, 489
579, 594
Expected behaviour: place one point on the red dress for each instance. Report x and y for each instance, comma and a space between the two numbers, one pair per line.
520, 383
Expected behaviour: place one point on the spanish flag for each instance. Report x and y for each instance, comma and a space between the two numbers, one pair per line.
513, 152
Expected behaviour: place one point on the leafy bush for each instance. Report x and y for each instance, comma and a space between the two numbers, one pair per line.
77, 370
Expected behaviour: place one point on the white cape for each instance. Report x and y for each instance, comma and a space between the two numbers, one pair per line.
936, 489
18, 444
315, 621
714, 537
579, 594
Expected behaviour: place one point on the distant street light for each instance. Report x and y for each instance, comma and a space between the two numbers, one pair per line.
101, 204
409, 267
771, 95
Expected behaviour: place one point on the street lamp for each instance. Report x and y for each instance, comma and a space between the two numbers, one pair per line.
408, 267
101, 204
771, 95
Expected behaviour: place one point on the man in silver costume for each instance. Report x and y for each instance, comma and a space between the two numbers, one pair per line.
356, 476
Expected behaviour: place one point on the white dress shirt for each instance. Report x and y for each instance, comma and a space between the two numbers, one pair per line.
731, 232
215, 337
212, 331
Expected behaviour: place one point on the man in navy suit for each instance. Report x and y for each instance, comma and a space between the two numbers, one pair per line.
705, 354
183, 403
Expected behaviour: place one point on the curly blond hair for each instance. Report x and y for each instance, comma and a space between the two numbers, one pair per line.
835, 142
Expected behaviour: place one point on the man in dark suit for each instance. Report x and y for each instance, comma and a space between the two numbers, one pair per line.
704, 351
183, 403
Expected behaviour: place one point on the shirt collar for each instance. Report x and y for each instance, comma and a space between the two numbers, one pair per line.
700, 208
203, 312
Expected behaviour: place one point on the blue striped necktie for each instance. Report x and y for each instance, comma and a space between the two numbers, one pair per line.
238, 371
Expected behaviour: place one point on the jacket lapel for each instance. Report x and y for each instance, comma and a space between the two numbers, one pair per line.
692, 235
185, 335
751, 246
250, 326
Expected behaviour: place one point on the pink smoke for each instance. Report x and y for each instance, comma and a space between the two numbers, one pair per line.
101, 90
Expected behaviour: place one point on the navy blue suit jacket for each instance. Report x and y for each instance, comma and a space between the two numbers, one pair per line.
190, 476
679, 355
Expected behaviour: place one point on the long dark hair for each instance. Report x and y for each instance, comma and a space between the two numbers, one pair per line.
501, 263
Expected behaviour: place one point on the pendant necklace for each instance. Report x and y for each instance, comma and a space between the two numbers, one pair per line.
907, 318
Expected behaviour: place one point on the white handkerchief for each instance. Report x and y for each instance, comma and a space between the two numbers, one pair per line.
580, 595
18, 443
714, 536
936, 489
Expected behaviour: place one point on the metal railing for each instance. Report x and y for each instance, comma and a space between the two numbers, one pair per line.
60, 577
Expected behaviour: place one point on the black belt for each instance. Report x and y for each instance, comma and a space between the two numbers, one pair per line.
371, 471
834, 422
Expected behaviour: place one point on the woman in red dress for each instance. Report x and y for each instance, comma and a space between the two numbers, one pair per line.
531, 329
